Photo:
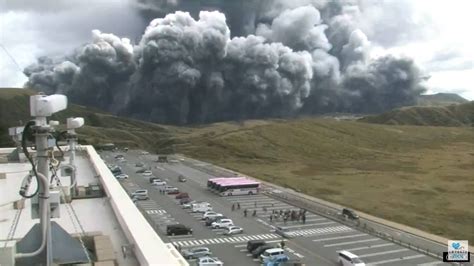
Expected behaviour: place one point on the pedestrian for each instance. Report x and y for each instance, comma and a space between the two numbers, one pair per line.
303, 219
254, 213
271, 218
238, 206
285, 219
233, 207
245, 213
282, 244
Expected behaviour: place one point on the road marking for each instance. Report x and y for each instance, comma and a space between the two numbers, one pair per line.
382, 252
294, 252
325, 230
367, 247
306, 225
243, 250
352, 242
431, 263
396, 260
226, 240
155, 211
338, 237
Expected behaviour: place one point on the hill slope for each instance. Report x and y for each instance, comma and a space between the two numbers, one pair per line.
451, 116
419, 176
440, 99
100, 126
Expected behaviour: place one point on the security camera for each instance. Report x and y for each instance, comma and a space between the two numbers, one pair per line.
44, 106
75, 122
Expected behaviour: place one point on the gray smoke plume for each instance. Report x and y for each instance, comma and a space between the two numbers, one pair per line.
303, 57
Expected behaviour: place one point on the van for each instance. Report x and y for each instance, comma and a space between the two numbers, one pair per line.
348, 259
201, 207
142, 193
270, 254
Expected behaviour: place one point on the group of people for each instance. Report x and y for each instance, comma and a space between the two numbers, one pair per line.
233, 206
286, 215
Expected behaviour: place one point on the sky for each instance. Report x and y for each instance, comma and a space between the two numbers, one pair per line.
438, 36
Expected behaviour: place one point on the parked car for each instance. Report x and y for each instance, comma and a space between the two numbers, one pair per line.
201, 207
139, 197
147, 173
209, 221
178, 229
182, 195
144, 153
210, 214
259, 250
181, 178
223, 223
276, 260
141, 171
162, 159
119, 156
139, 164
253, 244
232, 230
196, 252
159, 183
348, 213
153, 178
171, 190
121, 176
271, 254
347, 258
141, 192
189, 205
208, 261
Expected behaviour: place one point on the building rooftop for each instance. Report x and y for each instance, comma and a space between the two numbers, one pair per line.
114, 215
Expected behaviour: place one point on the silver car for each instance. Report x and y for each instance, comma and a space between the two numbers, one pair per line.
196, 252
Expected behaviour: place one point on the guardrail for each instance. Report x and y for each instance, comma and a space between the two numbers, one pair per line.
361, 224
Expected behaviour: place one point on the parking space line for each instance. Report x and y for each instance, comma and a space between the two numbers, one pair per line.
431, 263
352, 242
338, 237
383, 252
396, 260
374, 246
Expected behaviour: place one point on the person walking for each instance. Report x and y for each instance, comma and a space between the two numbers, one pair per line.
282, 244
303, 218
238, 206
233, 207
254, 213
271, 218
245, 213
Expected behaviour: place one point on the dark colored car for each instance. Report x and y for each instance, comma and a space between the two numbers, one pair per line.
162, 159
210, 220
181, 178
350, 214
140, 171
259, 251
182, 195
178, 229
184, 201
253, 244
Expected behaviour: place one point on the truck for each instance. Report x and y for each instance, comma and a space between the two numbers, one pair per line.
201, 207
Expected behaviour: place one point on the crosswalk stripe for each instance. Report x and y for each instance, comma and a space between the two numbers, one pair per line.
206, 241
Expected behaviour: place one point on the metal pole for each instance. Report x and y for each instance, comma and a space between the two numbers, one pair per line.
42, 155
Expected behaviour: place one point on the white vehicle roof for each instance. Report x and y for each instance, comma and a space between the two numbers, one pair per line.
225, 221
274, 250
348, 254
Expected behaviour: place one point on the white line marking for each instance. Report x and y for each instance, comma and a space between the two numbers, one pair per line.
352, 242
396, 260
367, 247
382, 252
338, 237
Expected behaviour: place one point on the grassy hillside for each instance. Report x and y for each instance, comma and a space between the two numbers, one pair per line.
440, 99
452, 116
419, 176
101, 127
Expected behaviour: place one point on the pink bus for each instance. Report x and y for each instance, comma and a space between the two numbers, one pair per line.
213, 182
238, 187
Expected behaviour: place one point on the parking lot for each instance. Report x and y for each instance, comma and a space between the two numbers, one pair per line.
315, 241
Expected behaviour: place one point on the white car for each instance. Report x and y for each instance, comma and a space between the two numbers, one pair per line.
211, 214
208, 261
189, 205
147, 173
121, 176
232, 230
144, 153
158, 182
347, 258
223, 223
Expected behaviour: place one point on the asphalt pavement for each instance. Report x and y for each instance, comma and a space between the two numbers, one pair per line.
315, 242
